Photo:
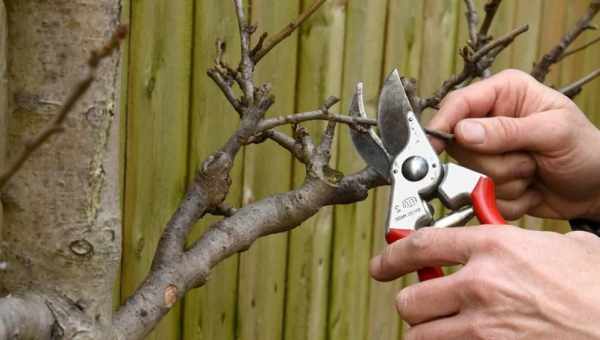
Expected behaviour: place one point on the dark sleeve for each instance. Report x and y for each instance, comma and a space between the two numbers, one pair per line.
585, 225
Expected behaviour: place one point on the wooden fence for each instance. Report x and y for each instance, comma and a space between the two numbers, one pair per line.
311, 283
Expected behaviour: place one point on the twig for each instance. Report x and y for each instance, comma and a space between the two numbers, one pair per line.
474, 65
472, 21
578, 49
572, 90
542, 68
268, 124
490, 12
56, 126
501, 42
287, 31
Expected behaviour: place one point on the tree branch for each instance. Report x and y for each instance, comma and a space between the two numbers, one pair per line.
572, 90
491, 8
25, 317
472, 21
475, 63
286, 32
56, 126
352, 122
542, 68
578, 49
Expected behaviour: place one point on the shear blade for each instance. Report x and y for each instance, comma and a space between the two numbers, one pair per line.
367, 143
393, 106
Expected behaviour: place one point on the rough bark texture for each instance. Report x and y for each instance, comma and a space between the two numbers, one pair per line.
62, 232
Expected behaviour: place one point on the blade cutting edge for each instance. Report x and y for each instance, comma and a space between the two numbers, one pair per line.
367, 143
393, 106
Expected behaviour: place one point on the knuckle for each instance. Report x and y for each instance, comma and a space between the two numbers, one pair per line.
583, 236
515, 74
479, 285
476, 330
415, 334
387, 258
420, 240
491, 243
403, 302
524, 167
484, 328
507, 128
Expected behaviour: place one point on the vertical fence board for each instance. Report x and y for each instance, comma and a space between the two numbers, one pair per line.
504, 23
439, 56
363, 58
209, 312
402, 51
157, 126
319, 76
123, 101
268, 170
312, 283
440, 48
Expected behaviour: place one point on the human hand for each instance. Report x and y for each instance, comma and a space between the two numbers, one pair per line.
516, 284
540, 149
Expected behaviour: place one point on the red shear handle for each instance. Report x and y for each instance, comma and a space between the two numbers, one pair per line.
424, 274
484, 202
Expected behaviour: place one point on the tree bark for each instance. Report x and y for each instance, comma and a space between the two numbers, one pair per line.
61, 236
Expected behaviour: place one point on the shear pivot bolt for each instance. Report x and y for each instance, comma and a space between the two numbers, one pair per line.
415, 168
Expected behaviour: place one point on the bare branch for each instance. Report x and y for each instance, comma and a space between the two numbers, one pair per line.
286, 142
542, 68
474, 65
225, 87
572, 90
579, 49
56, 126
491, 8
499, 43
472, 21
287, 31
328, 138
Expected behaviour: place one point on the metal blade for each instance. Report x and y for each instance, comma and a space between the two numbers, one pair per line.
393, 106
367, 143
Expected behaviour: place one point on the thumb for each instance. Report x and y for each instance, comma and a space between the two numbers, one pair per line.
503, 134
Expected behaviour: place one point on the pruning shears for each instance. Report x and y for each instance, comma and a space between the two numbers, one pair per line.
403, 154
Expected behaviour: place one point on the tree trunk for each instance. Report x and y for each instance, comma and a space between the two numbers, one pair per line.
61, 233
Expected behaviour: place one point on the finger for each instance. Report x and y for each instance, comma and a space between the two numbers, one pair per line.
512, 190
582, 236
455, 327
429, 300
494, 135
515, 209
501, 168
499, 93
426, 247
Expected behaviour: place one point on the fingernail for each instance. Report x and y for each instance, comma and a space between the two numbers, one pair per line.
471, 132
